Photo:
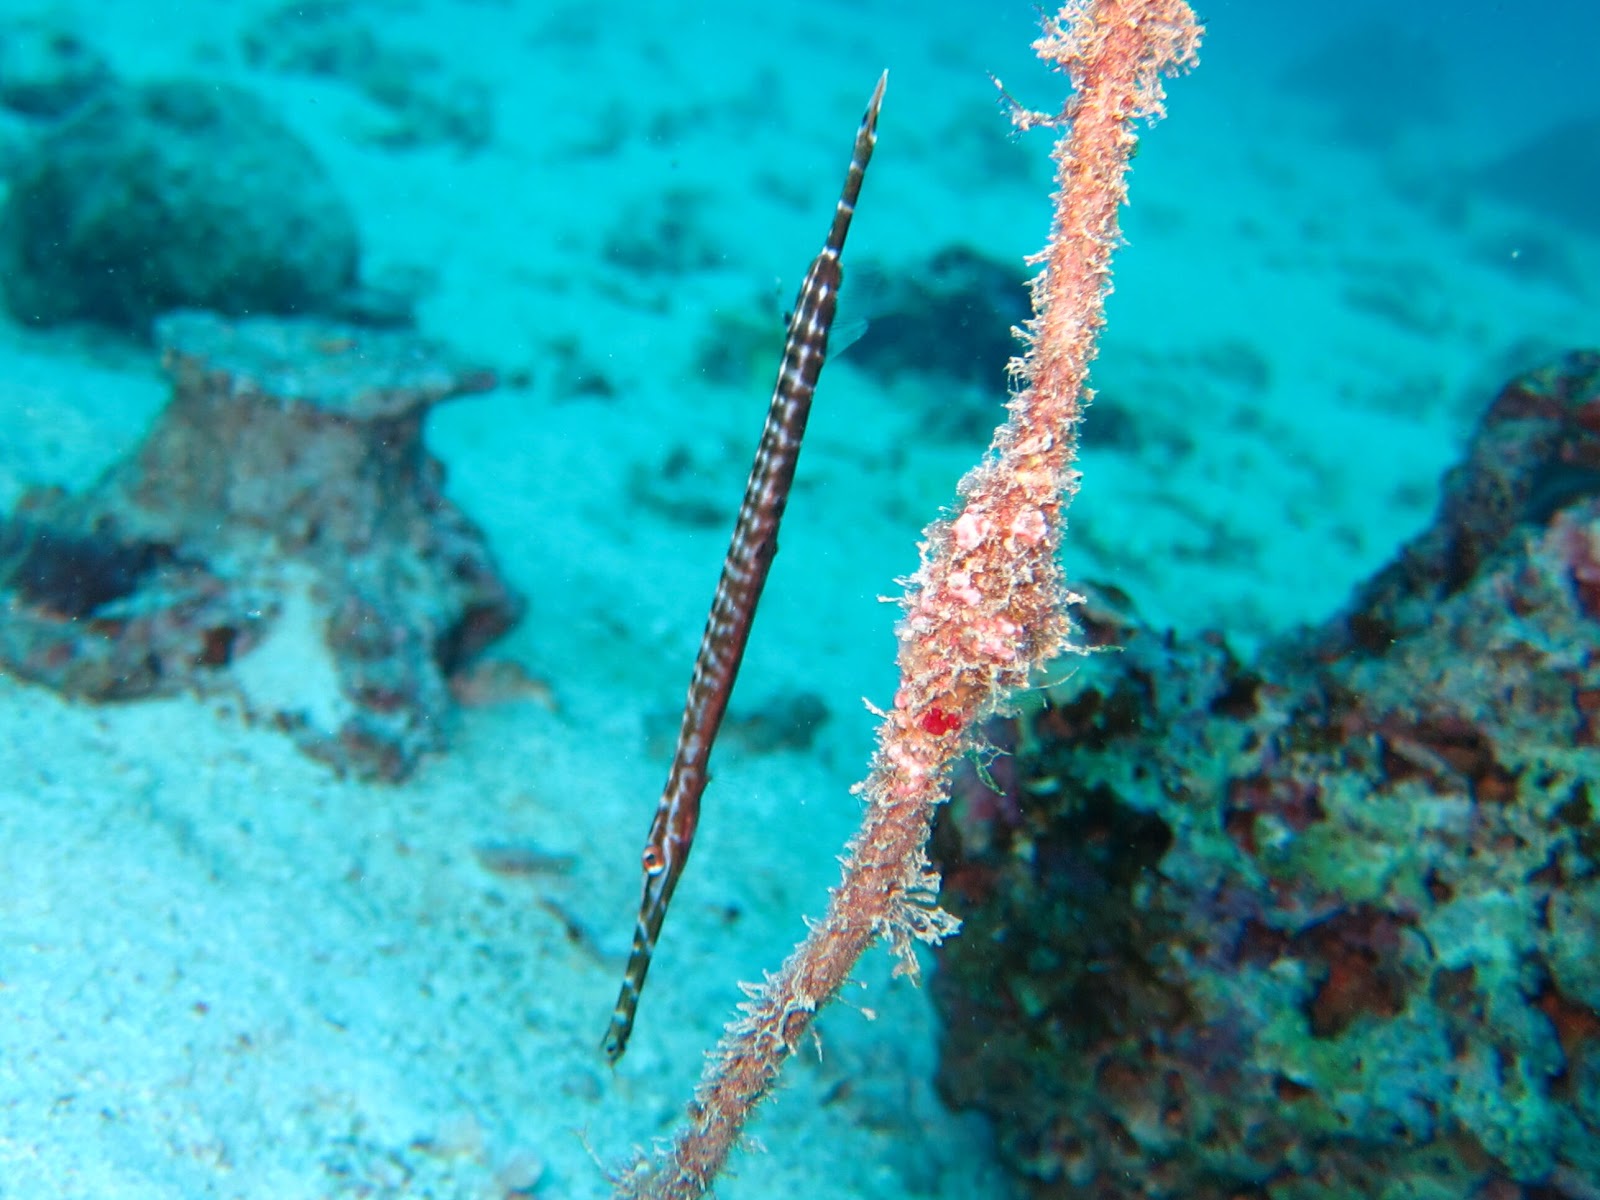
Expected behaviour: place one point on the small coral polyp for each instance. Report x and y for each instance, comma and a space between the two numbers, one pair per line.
280, 535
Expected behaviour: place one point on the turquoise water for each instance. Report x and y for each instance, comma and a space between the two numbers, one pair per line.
229, 969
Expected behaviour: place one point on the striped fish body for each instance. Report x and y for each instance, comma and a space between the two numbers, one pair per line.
744, 574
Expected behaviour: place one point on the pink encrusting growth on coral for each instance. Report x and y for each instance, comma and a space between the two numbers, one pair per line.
988, 605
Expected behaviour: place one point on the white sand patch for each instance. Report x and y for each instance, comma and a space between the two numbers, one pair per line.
293, 673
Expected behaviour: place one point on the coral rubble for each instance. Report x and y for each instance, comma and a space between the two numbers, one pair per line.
281, 535
1327, 924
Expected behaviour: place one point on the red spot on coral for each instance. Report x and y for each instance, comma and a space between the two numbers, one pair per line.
1574, 1023
1442, 747
938, 722
1288, 1090
1358, 951
1587, 701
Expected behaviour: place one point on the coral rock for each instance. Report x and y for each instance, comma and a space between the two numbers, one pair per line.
280, 535
1324, 925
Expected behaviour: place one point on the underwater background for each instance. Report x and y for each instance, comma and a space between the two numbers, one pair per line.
330, 729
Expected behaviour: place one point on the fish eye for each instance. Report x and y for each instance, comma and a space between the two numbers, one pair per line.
654, 863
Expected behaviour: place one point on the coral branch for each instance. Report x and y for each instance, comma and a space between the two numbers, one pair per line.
988, 604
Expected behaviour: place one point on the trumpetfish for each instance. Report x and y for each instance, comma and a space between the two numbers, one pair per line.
744, 574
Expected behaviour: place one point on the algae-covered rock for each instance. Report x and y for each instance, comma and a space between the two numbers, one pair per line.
281, 536
1325, 924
